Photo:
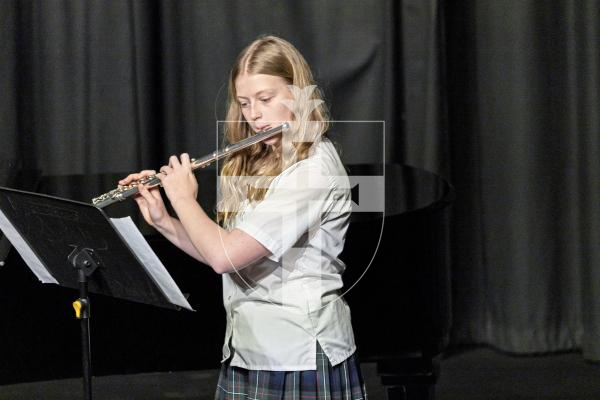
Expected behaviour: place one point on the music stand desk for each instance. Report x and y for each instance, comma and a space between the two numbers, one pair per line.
76, 245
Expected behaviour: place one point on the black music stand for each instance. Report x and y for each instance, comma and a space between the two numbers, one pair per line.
76, 245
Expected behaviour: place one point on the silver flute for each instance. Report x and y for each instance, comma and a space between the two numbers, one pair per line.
122, 192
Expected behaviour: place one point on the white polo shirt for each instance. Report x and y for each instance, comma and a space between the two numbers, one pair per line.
278, 308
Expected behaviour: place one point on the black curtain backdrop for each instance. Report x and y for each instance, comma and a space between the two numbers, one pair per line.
523, 81
499, 97
101, 86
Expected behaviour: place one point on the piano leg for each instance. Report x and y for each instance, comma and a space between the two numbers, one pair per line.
409, 378
409, 392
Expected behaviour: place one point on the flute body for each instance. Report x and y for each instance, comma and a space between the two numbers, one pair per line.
123, 192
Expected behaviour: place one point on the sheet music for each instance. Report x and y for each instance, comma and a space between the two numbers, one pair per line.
32, 261
150, 261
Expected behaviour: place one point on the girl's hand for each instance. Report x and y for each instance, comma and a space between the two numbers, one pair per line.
178, 180
149, 200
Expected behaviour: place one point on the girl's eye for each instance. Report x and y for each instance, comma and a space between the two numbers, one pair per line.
266, 99
243, 104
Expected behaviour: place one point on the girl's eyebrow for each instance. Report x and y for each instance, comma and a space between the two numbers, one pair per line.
263, 91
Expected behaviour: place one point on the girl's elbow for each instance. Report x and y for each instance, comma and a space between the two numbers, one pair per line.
223, 266
220, 270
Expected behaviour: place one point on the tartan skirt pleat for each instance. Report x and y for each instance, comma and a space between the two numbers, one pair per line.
342, 382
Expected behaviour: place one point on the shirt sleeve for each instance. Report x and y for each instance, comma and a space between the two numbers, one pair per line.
295, 203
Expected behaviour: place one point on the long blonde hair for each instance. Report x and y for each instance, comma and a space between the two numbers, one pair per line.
268, 55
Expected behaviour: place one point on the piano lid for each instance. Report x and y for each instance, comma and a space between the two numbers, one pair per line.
406, 189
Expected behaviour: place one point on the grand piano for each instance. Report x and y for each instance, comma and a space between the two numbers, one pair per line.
397, 273
401, 305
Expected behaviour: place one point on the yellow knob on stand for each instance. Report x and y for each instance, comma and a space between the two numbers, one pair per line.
77, 306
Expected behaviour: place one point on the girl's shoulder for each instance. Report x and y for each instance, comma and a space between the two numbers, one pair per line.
323, 157
323, 168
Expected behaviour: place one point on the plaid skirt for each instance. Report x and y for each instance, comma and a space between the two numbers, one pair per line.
342, 382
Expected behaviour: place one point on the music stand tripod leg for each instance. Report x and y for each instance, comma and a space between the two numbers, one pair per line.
85, 261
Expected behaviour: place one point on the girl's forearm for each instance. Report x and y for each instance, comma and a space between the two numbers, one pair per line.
224, 251
204, 235
173, 230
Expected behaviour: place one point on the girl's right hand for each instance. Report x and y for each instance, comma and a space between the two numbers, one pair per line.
149, 200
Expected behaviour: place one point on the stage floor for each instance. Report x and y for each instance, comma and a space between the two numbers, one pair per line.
187, 385
476, 374
198, 385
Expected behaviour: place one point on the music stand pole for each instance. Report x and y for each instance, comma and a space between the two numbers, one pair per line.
85, 261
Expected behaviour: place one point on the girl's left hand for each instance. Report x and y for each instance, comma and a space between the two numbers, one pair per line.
178, 180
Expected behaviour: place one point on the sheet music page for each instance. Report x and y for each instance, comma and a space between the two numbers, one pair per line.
150, 261
32, 261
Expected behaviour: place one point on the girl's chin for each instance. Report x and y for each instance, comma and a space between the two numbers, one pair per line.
274, 141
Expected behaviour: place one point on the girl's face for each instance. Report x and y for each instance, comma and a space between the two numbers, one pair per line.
259, 97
